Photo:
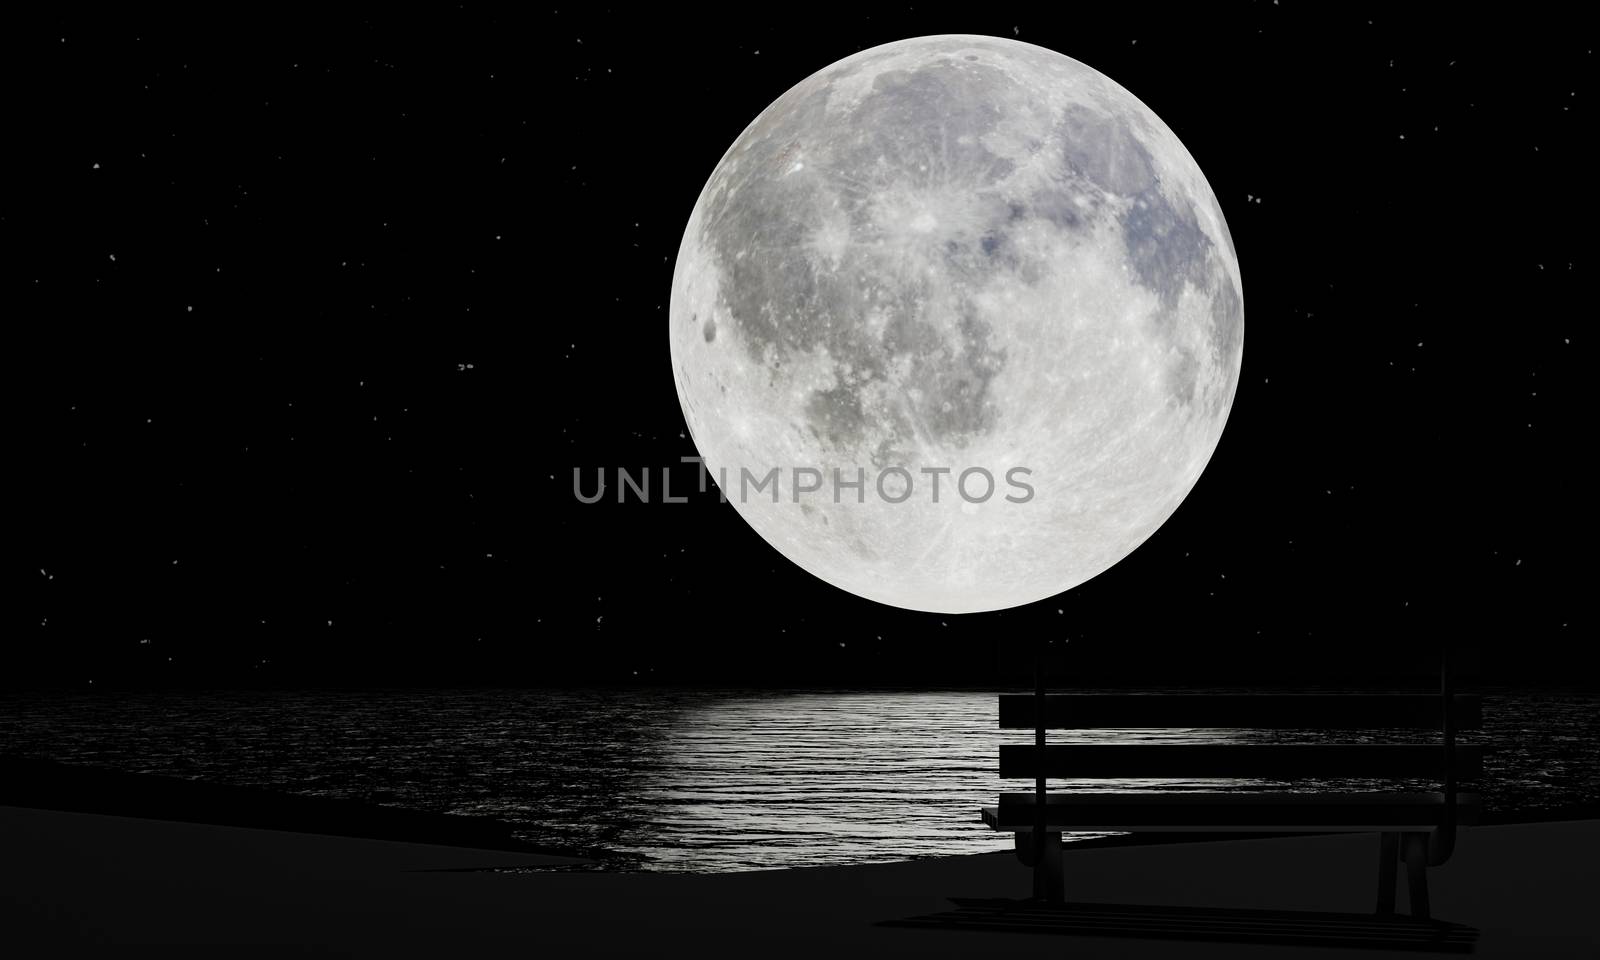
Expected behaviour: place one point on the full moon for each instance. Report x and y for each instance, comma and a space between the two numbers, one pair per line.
956, 323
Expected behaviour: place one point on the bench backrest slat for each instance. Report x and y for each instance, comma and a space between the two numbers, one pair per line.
1270, 761
1082, 711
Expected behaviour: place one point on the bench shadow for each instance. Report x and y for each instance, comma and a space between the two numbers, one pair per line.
1232, 925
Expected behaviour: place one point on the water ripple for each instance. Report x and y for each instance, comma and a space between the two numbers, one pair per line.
702, 781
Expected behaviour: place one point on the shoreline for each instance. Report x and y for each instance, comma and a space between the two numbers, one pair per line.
78, 788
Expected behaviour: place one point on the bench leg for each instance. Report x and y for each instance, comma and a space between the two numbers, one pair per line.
1024, 847
1416, 854
1048, 881
1388, 869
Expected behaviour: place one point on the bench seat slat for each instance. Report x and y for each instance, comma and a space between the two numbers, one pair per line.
1081, 711
1231, 812
1273, 761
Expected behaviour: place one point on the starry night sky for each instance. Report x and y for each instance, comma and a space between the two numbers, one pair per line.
313, 320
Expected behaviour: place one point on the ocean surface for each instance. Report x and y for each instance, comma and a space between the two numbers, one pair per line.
700, 781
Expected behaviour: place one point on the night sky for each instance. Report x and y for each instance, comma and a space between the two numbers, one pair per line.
313, 319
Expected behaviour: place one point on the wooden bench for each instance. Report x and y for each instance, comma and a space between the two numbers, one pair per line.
1418, 827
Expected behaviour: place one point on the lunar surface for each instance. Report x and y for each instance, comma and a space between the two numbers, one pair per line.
944, 259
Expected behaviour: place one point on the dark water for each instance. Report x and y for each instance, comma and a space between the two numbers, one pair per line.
693, 780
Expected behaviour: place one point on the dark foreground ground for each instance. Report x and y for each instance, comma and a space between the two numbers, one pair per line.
71, 881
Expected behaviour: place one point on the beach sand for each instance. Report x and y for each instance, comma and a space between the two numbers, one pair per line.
72, 879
